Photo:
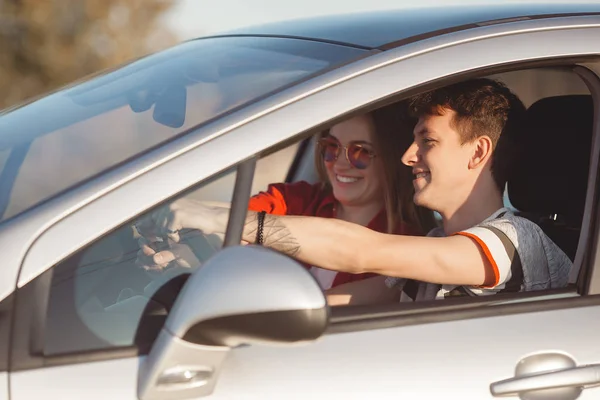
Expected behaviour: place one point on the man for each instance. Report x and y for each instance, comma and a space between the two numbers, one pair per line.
460, 160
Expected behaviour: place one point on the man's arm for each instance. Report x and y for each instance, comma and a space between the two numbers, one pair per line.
343, 246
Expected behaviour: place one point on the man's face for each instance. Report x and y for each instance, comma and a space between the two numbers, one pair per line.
440, 164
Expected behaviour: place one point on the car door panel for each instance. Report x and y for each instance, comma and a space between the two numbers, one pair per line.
450, 360
112, 379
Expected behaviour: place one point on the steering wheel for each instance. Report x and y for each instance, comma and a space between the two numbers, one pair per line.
202, 246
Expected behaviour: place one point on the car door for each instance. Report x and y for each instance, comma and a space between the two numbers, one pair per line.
452, 350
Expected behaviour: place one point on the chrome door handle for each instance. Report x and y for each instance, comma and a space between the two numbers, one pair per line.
548, 376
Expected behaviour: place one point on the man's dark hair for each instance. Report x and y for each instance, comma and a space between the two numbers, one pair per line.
484, 107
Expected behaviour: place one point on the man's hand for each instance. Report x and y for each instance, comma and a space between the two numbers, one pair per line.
177, 253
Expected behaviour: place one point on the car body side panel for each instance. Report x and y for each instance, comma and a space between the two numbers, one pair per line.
114, 379
450, 360
67, 235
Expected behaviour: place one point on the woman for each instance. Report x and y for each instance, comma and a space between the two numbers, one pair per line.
362, 181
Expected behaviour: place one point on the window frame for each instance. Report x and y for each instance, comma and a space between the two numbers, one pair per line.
31, 289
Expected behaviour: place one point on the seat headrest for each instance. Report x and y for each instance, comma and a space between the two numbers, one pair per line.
550, 175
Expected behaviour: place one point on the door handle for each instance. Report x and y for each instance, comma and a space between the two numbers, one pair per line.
548, 376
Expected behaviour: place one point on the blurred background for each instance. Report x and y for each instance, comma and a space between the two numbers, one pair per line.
45, 44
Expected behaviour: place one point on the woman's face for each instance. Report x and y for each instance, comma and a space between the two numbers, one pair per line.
353, 186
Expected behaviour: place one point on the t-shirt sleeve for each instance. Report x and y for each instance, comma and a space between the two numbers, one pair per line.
284, 198
497, 248
537, 262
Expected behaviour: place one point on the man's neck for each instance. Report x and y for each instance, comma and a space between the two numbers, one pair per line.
479, 205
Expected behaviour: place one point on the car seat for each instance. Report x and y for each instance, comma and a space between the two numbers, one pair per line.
549, 182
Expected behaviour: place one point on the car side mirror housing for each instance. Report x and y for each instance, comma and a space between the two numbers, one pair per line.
242, 295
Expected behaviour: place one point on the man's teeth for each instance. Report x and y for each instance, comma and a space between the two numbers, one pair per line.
421, 174
345, 179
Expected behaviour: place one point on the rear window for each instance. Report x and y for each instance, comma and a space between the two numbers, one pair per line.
58, 141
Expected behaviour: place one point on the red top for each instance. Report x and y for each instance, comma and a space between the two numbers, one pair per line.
303, 198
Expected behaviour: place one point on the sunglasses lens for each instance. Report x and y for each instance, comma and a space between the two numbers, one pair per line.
329, 150
359, 157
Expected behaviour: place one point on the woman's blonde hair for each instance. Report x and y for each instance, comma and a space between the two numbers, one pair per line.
392, 137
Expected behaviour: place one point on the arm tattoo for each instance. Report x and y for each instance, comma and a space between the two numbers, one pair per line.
276, 235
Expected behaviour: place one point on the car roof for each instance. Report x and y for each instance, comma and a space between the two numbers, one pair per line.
387, 29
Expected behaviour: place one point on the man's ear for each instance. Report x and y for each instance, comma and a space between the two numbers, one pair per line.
482, 151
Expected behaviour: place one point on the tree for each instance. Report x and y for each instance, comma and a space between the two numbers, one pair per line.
45, 44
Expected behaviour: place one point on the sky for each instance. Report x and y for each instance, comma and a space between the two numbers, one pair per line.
194, 18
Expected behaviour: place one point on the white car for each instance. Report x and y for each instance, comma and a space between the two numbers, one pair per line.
218, 118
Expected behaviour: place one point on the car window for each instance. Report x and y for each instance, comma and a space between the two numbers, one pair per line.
101, 298
108, 300
70, 136
273, 168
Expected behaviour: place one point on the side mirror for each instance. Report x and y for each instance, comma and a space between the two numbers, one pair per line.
242, 295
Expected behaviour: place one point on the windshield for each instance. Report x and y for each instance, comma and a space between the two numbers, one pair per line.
54, 143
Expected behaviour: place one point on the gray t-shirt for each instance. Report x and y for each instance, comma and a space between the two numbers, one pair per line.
522, 256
